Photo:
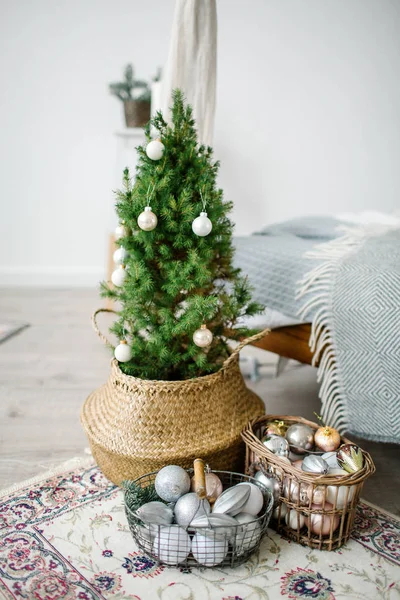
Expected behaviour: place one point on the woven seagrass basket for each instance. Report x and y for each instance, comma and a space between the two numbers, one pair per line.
338, 496
137, 426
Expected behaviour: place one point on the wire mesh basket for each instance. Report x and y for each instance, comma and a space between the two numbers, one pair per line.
206, 546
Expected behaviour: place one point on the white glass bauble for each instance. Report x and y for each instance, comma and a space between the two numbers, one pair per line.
123, 352
120, 231
344, 495
202, 225
209, 550
155, 149
255, 501
294, 520
147, 220
202, 337
118, 276
172, 545
248, 535
119, 256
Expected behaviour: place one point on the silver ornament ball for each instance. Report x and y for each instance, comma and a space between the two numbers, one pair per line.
172, 482
277, 444
314, 464
202, 337
202, 225
271, 483
189, 507
147, 220
118, 276
119, 256
300, 437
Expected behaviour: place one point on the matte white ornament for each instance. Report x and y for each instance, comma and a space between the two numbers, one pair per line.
147, 220
202, 337
202, 225
189, 507
172, 545
118, 276
255, 501
172, 482
120, 231
155, 149
294, 520
123, 352
119, 256
345, 494
248, 535
209, 550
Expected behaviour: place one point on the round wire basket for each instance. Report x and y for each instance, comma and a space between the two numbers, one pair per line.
202, 546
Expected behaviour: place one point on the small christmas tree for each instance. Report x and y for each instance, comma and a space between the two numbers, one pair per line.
181, 297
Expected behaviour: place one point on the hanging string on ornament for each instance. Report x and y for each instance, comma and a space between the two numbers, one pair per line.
121, 231
118, 276
202, 225
147, 220
202, 337
120, 256
155, 149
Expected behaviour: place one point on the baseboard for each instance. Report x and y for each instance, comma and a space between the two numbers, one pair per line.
51, 276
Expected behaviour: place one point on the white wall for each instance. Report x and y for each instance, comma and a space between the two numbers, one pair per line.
307, 121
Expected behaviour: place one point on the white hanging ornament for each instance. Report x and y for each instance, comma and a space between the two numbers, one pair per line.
118, 276
123, 352
202, 337
155, 149
147, 220
202, 225
120, 256
120, 231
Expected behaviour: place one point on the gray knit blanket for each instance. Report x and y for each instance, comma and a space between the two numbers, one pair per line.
348, 286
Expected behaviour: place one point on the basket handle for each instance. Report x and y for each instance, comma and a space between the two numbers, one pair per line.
243, 343
96, 327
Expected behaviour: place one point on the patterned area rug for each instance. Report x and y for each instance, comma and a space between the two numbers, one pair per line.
9, 329
65, 536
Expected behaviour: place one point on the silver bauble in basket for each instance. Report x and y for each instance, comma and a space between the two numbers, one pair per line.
314, 464
172, 482
189, 507
331, 459
277, 444
270, 483
232, 500
300, 437
155, 513
218, 525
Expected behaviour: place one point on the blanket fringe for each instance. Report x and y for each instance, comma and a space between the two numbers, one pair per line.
318, 284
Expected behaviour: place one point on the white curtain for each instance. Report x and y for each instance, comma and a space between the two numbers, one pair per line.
192, 63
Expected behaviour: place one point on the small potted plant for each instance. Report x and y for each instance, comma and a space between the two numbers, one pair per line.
136, 96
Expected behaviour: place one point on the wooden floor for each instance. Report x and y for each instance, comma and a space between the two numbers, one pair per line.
47, 371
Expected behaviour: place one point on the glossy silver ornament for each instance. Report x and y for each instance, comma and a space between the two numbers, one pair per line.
350, 458
232, 500
314, 464
271, 483
172, 482
277, 444
217, 524
295, 492
189, 507
300, 437
155, 513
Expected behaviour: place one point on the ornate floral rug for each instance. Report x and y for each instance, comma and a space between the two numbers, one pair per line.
65, 536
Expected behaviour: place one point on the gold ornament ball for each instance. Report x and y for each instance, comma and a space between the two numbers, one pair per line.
147, 220
202, 337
